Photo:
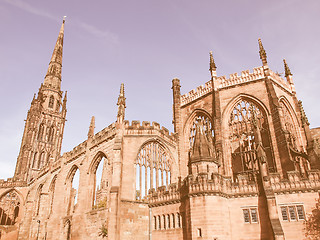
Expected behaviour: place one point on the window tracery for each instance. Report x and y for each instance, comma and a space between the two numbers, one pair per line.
9, 208
242, 138
207, 128
153, 168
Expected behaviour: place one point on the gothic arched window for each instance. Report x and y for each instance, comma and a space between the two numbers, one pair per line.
153, 168
9, 208
242, 138
101, 182
51, 134
41, 130
51, 102
207, 128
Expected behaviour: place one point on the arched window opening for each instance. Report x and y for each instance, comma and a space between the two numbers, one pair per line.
9, 208
153, 169
74, 190
51, 134
41, 161
207, 128
51, 101
154, 223
178, 220
168, 222
301, 163
35, 163
58, 106
173, 221
242, 139
51, 193
41, 131
67, 230
38, 200
101, 185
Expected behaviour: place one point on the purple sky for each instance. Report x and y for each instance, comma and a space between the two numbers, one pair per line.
144, 44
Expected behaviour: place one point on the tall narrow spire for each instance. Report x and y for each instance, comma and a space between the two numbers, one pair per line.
91, 128
53, 76
262, 52
213, 67
121, 105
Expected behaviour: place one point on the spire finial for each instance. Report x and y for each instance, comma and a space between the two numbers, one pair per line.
121, 105
286, 69
213, 66
53, 76
91, 128
262, 52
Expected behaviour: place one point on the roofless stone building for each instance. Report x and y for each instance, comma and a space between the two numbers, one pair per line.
242, 163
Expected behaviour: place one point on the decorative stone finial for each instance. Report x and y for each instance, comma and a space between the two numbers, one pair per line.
286, 69
213, 67
91, 128
262, 52
121, 105
304, 118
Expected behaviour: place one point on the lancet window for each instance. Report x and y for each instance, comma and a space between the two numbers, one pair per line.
51, 102
51, 134
9, 208
289, 126
153, 168
41, 130
207, 128
101, 183
242, 138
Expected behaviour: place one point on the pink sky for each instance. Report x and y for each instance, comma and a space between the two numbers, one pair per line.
145, 44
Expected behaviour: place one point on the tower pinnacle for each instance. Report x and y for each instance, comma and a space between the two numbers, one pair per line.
53, 76
213, 67
286, 69
91, 128
262, 52
121, 105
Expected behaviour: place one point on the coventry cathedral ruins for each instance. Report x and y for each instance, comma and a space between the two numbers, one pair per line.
242, 163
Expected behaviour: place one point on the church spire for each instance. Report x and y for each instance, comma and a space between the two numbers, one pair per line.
213, 67
262, 52
121, 105
53, 76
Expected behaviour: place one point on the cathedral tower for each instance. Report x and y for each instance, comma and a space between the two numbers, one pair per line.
43, 131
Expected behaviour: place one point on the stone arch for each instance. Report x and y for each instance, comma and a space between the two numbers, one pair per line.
52, 187
72, 193
51, 101
99, 195
190, 126
290, 118
96, 161
10, 207
67, 229
38, 199
153, 164
237, 127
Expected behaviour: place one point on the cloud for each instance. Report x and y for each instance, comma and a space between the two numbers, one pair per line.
109, 36
31, 9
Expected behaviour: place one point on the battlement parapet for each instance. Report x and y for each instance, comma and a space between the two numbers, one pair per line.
146, 128
10, 182
163, 195
104, 134
280, 81
196, 93
75, 152
235, 79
